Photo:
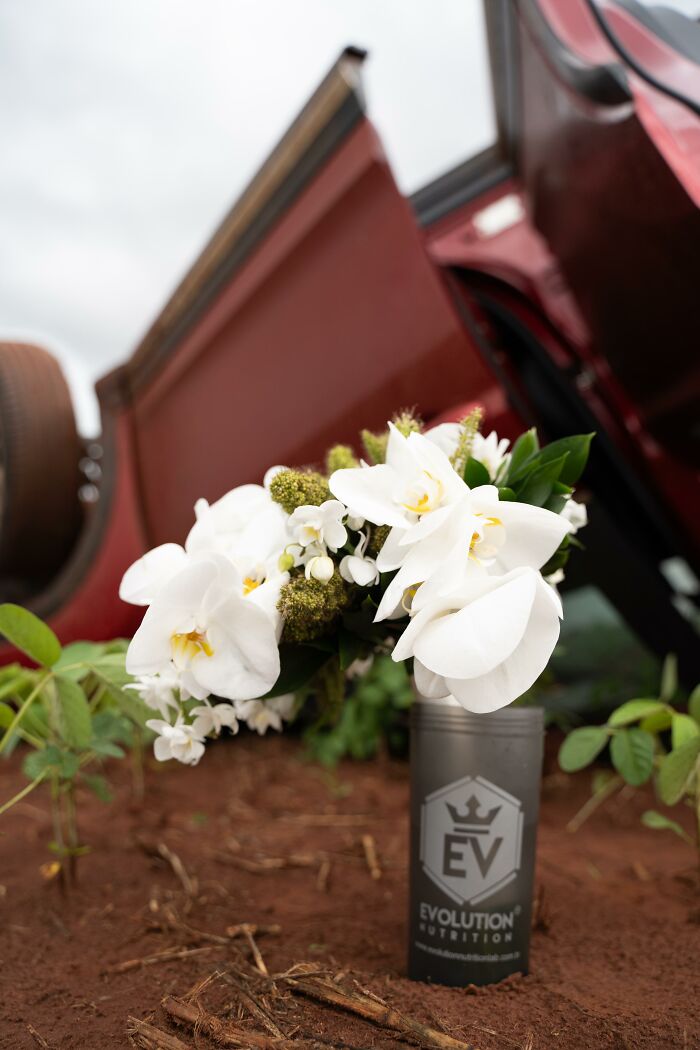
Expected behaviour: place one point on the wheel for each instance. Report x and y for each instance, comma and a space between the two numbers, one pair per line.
40, 512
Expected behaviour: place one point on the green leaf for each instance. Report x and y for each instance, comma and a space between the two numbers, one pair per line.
632, 753
676, 769
581, 747
99, 786
557, 561
27, 632
299, 663
78, 653
6, 716
107, 748
658, 722
50, 760
653, 819
669, 678
349, 648
112, 668
506, 494
694, 704
475, 473
524, 449
538, 486
683, 728
76, 728
576, 449
634, 710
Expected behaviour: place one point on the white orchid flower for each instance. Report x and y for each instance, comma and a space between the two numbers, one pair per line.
356, 568
416, 484
319, 567
245, 524
261, 715
178, 741
157, 691
482, 532
142, 580
491, 450
576, 514
321, 526
211, 718
202, 625
485, 644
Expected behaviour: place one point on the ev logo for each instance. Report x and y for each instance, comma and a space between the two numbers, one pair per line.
471, 838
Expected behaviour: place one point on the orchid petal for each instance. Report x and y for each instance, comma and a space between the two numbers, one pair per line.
142, 581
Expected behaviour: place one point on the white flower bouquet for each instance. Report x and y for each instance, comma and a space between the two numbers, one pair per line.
440, 546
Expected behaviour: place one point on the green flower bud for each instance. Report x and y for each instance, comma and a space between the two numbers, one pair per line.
311, 609
340, 457
374, 446
298, 488
286, 562
407, 422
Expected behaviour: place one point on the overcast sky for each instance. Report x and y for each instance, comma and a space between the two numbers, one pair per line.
129, 127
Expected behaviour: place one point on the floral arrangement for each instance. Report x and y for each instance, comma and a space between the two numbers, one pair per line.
441, 546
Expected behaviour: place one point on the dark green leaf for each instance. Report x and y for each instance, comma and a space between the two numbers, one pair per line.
78, 653
652, 819
524, 449
633, 711
99, 786
506, 494
51, 760
74, 710
476, 474
694, 704
349, 648
581, 747
299, 663
537, 487
557, 561
632, 753
576, 449
676, 769
27, 632
669, 678
107, 748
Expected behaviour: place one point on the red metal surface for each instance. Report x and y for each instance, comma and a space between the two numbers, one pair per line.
337, 319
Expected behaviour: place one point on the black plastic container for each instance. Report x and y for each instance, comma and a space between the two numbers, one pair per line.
475, 787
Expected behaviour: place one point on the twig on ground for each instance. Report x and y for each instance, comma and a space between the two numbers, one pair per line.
259, 961
151, 1038
243, 928
323, 876
188, 882
38, 1039
168, 955
226, 1033
266, 864
370, 849
305, 979
255, 1008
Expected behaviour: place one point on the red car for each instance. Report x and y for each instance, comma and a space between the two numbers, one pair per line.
553, 278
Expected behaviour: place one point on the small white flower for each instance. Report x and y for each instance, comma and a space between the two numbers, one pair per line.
356, 568
320, 568
491, 451
261, 715
359, 667
354, 521
321, 526
576, 514
158, 691
179, 741
211, 718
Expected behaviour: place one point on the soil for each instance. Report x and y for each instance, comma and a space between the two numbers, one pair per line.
615, 959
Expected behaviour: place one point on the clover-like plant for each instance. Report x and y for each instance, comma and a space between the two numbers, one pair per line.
73, 712
647, 738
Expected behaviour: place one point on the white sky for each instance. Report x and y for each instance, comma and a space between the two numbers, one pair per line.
129, 127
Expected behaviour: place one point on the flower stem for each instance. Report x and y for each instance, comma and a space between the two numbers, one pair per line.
21, 794
23, 708
56, 818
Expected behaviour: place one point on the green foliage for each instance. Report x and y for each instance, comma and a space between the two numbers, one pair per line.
310, 608
73, 713
374, 446
475, 473
646, 737
374, 709
27, 633
581, 747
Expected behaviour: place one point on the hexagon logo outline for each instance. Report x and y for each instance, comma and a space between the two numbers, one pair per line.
474, 823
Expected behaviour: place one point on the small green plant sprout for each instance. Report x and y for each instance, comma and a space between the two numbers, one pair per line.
72, 712
647, 738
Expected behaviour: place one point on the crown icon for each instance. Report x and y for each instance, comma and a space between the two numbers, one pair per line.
470, 819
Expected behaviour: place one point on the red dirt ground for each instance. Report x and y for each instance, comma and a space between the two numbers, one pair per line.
615, 964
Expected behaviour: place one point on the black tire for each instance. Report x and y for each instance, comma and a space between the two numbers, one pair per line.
40, 450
